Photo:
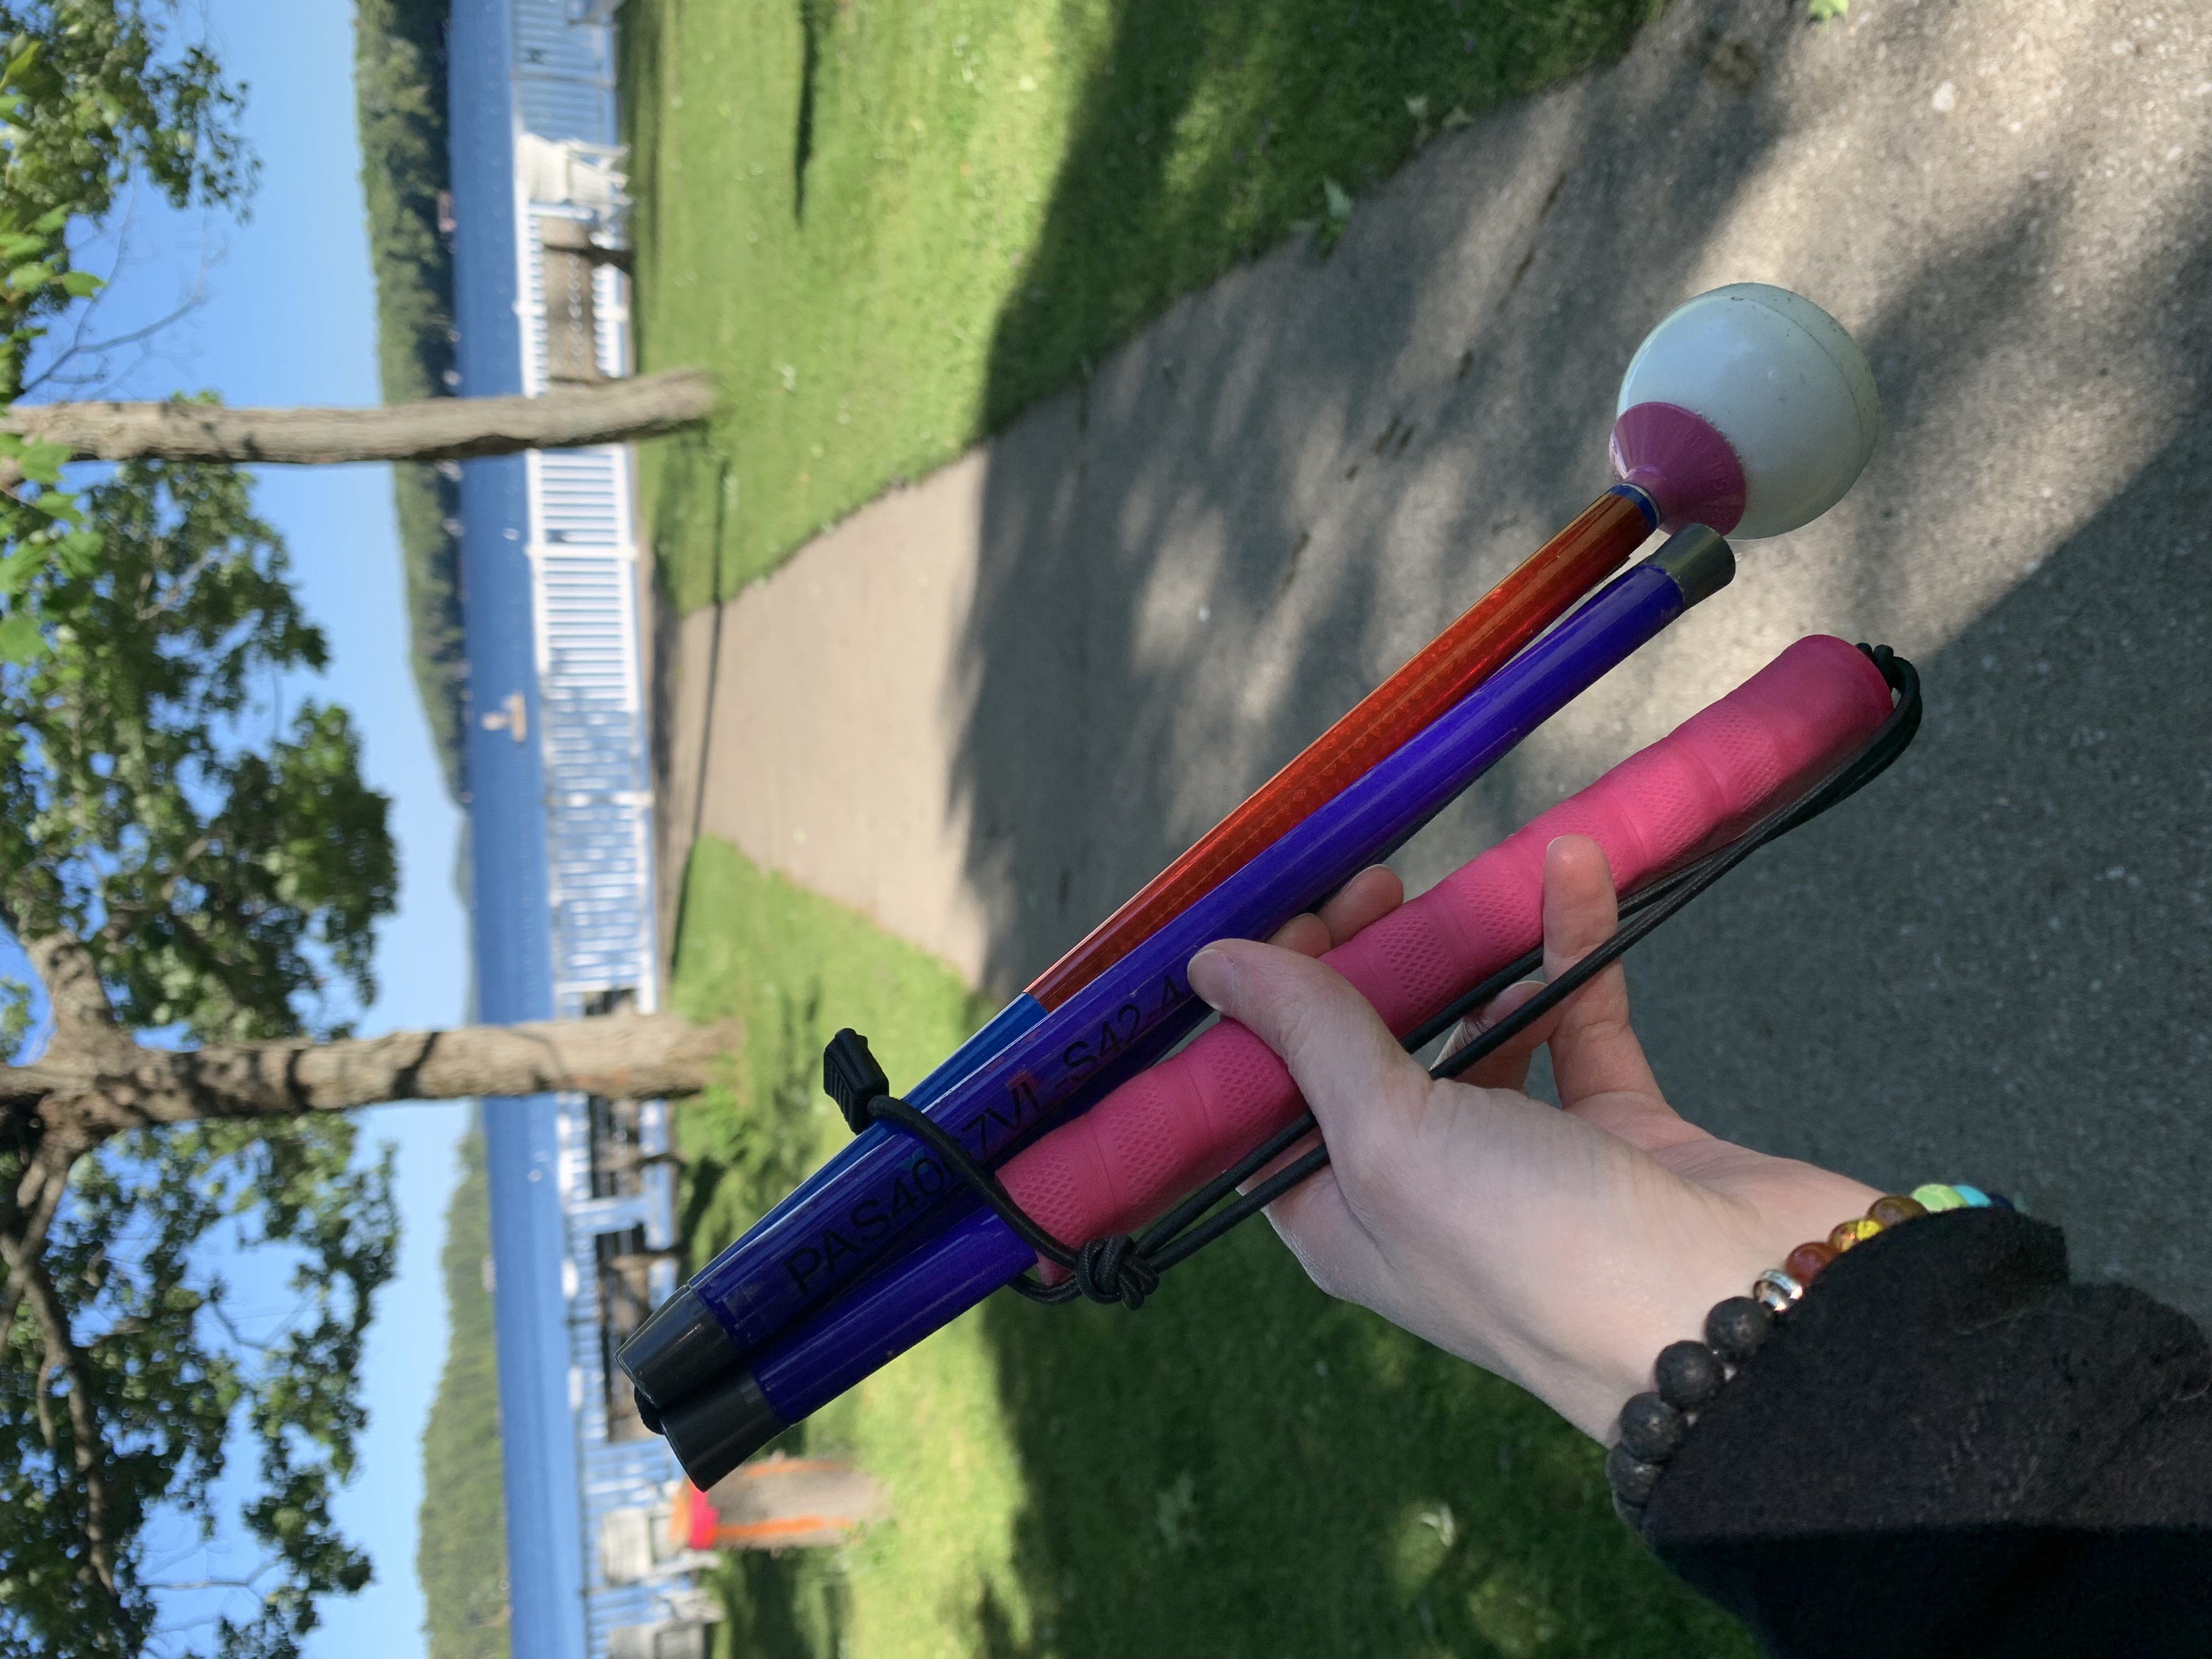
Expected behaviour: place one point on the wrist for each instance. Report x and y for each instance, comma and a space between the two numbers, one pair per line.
1660, 1291
1687, 1374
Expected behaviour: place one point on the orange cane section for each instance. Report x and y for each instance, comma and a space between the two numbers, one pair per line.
1537, 593
758, 1534
691, 1519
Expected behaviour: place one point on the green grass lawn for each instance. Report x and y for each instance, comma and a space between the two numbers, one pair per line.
890, 225
1244, 1467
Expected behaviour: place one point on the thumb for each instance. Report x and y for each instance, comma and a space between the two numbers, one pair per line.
1360, 1083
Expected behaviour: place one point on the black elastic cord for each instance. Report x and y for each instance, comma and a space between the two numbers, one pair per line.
1123, 1269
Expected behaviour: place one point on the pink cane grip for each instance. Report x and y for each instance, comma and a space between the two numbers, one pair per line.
1171, 1129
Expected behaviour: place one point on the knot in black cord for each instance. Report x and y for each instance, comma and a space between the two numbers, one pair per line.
1114, 1270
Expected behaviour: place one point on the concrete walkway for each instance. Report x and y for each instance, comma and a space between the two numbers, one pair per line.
988, 707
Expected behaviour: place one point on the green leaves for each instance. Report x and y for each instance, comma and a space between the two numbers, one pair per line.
227, 871
21, 638
103, 91
225, 868
226, 877
35, 458
94, 92
15, 1018
176, 1361
23, 52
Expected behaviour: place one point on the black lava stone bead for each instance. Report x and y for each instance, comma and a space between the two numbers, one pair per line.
1631, 1481
1736, 1328
1651, 1429
1688, 1374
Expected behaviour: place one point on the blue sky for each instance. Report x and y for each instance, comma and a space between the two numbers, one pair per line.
287, 315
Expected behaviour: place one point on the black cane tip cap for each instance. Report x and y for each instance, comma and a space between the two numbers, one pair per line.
680, 1350
713, 1431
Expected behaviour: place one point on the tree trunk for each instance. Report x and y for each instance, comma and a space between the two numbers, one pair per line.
434, 429
94, 1081
622, 1056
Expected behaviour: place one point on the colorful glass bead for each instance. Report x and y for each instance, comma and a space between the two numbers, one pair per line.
1650, 1429
1688, 1374
1735, 1328
1804, 1263
1999, 1201
1776, 1290
1854, 1232
1936, 1196
1895, 1210
1975, 1198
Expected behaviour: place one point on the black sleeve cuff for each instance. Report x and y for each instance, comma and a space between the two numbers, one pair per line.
1947, 1448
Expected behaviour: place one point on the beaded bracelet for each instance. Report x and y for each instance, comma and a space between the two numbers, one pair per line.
1688, 1374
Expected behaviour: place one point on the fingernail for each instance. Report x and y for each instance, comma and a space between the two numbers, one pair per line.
1214, 965
1506, 1002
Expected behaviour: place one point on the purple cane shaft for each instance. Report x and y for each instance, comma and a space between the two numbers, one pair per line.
805, 1251
889, 1310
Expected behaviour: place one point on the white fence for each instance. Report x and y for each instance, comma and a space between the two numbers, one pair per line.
592, 739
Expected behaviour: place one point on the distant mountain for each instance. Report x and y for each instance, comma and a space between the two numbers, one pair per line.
399, 92
460, 1553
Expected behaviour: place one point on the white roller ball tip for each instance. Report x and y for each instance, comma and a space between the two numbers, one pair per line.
1778, 378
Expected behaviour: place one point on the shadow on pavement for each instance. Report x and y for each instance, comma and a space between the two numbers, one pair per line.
1247, 1466
1991, 968
1259, 456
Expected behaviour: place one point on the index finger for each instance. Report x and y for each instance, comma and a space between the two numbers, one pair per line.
1361, 1085
1369, 897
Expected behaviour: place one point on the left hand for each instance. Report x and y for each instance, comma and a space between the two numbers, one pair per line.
1559, 1249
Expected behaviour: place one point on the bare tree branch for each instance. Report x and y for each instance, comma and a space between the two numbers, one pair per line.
435, 428
81, 347
250, 1584
86, 1094
38, 1199
47, 1432
94, 1081
89, 1448
622, 1056
57, 372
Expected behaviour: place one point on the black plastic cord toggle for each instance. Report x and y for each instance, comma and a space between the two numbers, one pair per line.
851, 1076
